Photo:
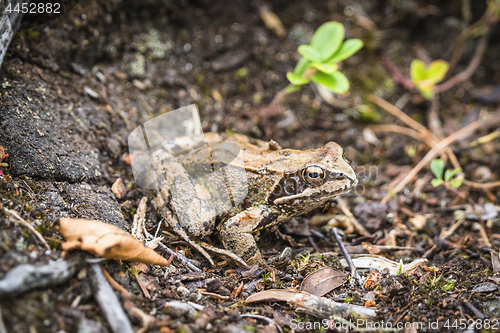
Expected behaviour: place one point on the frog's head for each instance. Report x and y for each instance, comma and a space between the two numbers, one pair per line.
324, 176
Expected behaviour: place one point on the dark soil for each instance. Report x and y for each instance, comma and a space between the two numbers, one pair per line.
74, 88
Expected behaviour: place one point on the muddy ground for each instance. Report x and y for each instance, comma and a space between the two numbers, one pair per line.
74, 88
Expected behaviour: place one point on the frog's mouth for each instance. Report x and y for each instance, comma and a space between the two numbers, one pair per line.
340, 184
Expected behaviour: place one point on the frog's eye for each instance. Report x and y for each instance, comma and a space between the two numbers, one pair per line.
313, 175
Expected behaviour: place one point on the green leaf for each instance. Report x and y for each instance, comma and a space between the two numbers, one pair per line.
309, 53
301, 66
437, 70
448, 174
295, 79
336, 81
417, 70
325, 68
328, 39
437, 168
292, 89
347, 49
456, 182
425, 78
436, 182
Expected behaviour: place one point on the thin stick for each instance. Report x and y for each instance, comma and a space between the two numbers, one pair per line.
113, 283
354, 272
401, 130
191, 264
467, 73
481, 186
474, 310
402, 116
461, 134
108, 302
27, 225
142, 286
430, 139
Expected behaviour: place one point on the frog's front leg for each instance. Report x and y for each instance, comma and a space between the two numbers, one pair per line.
236, 233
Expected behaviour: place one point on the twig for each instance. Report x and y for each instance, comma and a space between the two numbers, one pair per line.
109, 303
269, 320
27, 225
467, 73
481, 186
430, 139
359, 228
401, 130
482, 231
354, 272
191, 264
460, 134
113, 283
474, 310
313, 243
444, 234
142, 286
401, 115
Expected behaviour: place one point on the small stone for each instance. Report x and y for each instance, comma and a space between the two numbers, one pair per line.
183, 292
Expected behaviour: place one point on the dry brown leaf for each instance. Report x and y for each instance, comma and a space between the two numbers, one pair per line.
272, 295
323, 281
105, 240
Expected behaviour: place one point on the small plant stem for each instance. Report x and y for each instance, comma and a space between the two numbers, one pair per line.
27, 225
454, 190
354, 272
467, 73
460, 134
268, 110
396, 74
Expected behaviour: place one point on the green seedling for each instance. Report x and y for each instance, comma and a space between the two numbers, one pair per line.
266, 277
451, 180
426, 77
319, 59
437, 168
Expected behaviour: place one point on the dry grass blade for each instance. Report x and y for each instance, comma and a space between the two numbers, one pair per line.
427, 136
461, 134
27, 225
481, 186
400, 130
113, 283
402, 116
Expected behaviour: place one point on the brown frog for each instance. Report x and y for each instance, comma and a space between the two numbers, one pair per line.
264, 185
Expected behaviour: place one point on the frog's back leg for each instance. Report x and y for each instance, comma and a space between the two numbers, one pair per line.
173, 223
189, 201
